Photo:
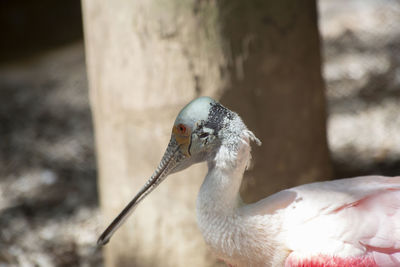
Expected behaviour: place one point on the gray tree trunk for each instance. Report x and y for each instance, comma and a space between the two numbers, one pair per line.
146, 59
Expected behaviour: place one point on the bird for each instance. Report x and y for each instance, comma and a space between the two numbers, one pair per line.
347, 222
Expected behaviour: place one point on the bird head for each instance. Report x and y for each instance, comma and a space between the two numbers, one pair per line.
198, 131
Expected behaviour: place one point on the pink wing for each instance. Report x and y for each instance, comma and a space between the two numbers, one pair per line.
383, 242
354, 219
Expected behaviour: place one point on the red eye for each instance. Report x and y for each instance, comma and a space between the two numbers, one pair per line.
182, 128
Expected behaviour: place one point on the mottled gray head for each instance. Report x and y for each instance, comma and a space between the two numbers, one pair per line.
195, 135
197, 127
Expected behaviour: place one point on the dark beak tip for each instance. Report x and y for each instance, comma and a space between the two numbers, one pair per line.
102, 242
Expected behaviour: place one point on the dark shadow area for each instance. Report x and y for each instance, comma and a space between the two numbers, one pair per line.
29, 27
344, 169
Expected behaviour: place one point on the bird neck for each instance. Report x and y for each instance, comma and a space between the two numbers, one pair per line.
219, 192
218, 202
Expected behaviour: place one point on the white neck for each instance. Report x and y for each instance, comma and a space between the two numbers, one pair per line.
218, 202
219, 192
235, 235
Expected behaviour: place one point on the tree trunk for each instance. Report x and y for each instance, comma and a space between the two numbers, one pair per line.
276, 86
146, 59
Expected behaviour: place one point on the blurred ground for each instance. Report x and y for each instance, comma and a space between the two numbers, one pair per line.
48, 200
362, 73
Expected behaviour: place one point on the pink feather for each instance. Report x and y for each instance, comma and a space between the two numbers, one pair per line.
365, 213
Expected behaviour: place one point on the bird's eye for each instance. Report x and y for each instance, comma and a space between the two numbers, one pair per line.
182, 128
203, 135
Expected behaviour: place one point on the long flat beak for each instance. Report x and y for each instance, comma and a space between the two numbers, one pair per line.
171, 158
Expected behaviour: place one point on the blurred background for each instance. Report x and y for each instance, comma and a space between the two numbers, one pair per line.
49, 214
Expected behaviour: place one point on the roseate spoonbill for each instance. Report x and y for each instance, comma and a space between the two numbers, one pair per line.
349, 222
